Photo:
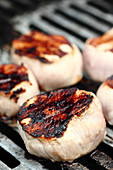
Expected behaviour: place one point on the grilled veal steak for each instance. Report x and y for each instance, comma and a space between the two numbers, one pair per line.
62, 125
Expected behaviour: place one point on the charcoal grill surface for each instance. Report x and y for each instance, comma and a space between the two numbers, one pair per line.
77, 20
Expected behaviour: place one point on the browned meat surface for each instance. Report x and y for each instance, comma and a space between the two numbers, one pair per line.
53, 60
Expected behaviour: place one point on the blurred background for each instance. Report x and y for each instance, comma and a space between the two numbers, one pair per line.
75, 19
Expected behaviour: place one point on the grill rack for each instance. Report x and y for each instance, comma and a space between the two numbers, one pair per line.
77, 20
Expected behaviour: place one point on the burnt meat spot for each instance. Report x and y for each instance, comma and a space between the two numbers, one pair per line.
15, 93
51, 112
37, 44
10, 76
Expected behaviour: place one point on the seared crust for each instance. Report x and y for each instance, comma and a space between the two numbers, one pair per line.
62, 125
36, 45
53, 60
17, 84
48, 115
10, 76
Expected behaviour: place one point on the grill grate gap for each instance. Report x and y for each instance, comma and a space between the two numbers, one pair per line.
25, 5
110, 126
92, 85
102, 159
8, 12
89, 163
109, 136
8, 159
108, 150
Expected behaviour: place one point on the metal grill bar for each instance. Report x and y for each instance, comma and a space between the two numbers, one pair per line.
75, 166
98, 157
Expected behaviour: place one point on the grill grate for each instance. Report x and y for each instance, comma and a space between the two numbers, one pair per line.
77, 20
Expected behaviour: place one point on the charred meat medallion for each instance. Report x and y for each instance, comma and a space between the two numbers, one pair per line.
49, 56
15, 80
105, 95
98, 56
50, 114
10, 76
56, 118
